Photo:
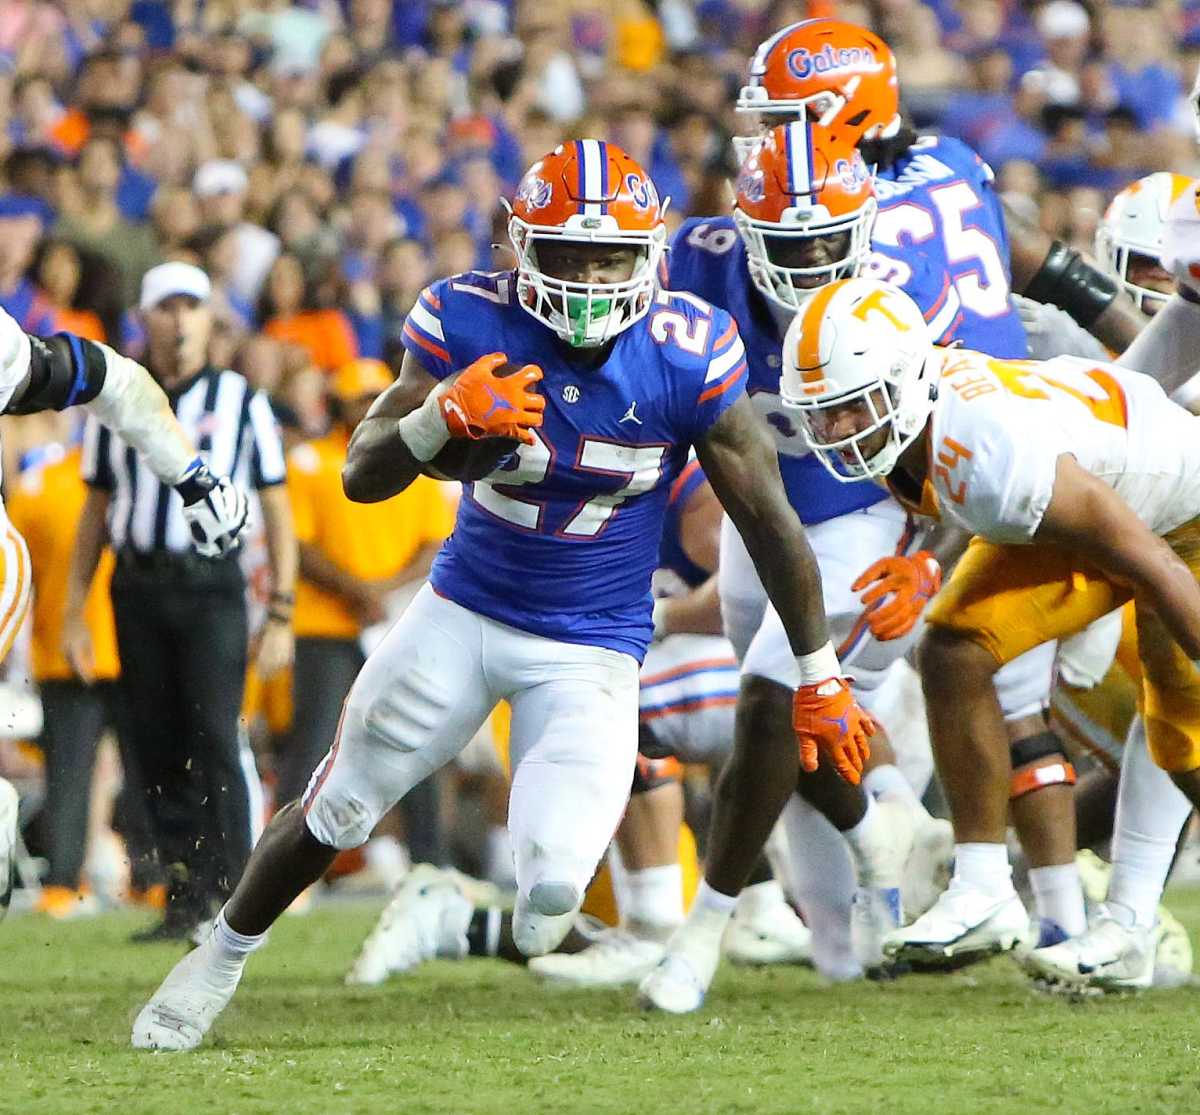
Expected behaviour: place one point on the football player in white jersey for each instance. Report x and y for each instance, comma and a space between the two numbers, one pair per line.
58, 372
1081, 482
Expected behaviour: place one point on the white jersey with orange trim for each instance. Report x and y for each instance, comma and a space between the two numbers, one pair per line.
15, 574
999, 427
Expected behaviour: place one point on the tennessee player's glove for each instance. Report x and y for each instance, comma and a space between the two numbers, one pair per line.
482, 404
910, 581
215, 510
830, 725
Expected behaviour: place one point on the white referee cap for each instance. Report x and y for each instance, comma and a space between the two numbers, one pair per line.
175, 277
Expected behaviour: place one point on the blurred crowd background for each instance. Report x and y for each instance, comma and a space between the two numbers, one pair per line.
324, 160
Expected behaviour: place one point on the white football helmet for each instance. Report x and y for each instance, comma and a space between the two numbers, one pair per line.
1133, 225
860, 374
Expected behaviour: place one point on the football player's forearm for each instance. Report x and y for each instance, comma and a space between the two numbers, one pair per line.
133, 405
378, 463
788, 569
1118, 327
1168, 348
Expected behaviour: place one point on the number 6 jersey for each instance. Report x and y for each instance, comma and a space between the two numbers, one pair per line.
561, 540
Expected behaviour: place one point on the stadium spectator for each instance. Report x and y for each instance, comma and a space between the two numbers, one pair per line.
220, 187
95, 220
288, 312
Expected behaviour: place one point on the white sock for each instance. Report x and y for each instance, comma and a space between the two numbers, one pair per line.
711, 911
654, 899
821, 876
232, 947
1058, 896
1151, 811
984, 866
760, 896
863, 840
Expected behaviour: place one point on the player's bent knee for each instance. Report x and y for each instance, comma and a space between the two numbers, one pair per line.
339, 820
553, 899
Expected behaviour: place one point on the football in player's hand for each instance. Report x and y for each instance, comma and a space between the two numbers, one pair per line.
466, 459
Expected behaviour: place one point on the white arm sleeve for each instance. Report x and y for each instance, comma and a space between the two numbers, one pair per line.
14, 357
135, 407
1168, 348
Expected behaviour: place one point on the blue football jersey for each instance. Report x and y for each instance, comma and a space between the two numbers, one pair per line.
938, 205
562, 539
672, 557
707, 257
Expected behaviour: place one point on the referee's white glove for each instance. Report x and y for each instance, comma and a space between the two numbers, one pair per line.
215, 510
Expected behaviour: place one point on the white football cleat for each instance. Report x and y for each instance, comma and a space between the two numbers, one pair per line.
187, 1002
682, 978
428, 917
965, 923
1173, 960
874, 914
927, 873
618, 957
764, 929
1108, 956
9, 807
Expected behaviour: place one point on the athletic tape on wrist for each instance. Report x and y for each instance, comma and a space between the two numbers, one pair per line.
819, 665
424, 430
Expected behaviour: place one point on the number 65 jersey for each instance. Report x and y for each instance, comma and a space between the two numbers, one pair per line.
562, 539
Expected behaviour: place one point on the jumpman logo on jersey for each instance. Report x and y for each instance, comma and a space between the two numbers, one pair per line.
631, 414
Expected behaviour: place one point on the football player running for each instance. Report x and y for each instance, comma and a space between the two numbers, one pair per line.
1080, 482
542, 594
62, 371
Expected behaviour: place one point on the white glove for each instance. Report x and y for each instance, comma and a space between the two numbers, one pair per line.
215, 511
1053, 332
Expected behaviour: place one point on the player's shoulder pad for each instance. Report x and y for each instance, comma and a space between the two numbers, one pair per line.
687, 329
960, 156
990, 466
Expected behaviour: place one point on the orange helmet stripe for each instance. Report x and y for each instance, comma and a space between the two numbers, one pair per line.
808, 355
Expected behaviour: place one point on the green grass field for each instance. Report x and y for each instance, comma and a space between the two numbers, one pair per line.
482, 1036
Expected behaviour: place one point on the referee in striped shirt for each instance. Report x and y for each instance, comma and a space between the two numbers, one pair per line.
181, 618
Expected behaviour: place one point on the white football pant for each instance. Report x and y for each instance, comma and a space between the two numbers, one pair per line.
427, 689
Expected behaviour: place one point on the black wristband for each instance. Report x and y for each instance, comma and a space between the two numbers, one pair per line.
279, 617
1068, 281
283, 598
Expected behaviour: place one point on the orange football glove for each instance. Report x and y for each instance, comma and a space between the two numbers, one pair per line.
911, 582
828, 723
482, 404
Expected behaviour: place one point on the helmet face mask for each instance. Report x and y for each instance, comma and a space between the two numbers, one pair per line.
859, 436
805, 208
587, 193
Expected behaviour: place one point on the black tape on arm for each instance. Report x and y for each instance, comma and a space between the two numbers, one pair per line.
1071, 283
